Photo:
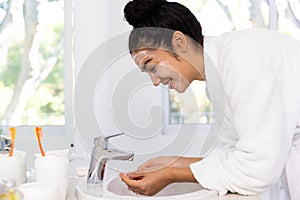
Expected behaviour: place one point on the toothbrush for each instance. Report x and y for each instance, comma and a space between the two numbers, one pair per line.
12, 133
39, 134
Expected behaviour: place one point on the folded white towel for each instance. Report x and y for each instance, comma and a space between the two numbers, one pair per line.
292, 169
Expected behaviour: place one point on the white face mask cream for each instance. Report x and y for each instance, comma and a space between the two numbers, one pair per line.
162, 71
140, 57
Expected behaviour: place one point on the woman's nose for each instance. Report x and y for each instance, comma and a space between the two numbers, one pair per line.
155, 80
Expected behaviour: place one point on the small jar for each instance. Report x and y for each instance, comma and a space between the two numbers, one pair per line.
8, 191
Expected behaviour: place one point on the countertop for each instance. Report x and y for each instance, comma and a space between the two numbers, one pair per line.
227, 197
75, 180
239, 197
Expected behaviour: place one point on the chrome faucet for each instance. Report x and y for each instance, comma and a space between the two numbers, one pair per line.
100, 155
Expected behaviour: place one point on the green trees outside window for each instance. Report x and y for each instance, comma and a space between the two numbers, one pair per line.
31, 62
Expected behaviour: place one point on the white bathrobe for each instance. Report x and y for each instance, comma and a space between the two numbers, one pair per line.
260, 71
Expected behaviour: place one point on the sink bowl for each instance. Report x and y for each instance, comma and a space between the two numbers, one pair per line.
117, 189
86, 191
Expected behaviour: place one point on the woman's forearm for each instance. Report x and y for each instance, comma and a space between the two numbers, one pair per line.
181, 174
183, 162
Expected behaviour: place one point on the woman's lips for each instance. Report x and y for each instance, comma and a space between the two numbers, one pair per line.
171, 84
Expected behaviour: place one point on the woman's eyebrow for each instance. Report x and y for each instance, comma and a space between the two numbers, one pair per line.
144, 66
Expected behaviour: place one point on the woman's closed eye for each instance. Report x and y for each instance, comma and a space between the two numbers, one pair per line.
153, 68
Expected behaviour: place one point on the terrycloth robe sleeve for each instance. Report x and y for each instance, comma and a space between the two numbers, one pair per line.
260, 82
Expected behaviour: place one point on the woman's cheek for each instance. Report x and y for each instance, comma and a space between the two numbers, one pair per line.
160, 73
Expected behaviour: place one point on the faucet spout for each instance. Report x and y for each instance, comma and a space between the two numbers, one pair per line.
100, 156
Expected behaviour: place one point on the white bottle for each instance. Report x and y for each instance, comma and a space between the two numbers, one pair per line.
53, 168
13, 167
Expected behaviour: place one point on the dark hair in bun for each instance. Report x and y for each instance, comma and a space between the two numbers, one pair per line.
159, 14
137, 11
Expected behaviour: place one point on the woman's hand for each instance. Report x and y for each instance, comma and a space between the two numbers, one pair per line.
171, 161
148, 182
151, 180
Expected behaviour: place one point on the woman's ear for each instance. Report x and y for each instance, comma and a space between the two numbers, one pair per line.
179, 42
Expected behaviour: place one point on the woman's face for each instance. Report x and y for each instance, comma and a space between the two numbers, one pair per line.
165, 68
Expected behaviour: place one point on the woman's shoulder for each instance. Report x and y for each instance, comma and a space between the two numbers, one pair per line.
251, 32
255, 37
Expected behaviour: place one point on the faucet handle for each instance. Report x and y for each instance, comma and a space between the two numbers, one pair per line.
103, 141
5, 144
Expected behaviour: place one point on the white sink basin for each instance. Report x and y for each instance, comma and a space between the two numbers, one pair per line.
86, 191
116, 189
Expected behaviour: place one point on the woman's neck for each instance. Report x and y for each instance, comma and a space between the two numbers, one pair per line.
196, 58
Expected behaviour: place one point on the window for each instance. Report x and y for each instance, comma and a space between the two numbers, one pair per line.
33, 59
217, 17
289, 17
183, 111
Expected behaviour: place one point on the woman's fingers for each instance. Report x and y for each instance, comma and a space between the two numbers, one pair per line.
147, 183
133, 183
135, 175
130, 181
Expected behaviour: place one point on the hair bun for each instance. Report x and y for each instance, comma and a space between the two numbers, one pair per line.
137, 11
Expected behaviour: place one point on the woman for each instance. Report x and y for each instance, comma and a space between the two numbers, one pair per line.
259, 70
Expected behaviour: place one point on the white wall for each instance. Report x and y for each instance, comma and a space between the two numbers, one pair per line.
97, 22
